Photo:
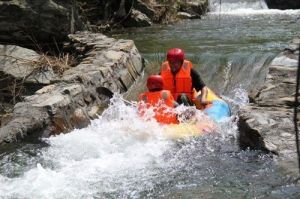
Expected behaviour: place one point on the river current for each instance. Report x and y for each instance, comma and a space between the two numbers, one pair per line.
121, 156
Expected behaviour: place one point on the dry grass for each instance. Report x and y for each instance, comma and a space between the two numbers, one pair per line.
5, 113
14, 89
58, 64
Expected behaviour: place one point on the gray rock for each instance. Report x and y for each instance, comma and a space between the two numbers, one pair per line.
17, 61
37, 22
283, 60
45, 76
109, 66
268, 129
195, 8
20, 64
267, 124
184, 15
144, 8
137, 19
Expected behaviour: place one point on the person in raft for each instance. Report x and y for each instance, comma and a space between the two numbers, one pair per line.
161, 100
182, 80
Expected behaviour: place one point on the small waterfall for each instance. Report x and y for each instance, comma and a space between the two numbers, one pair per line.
232, 5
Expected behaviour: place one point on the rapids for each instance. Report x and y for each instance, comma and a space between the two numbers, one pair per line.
122, 156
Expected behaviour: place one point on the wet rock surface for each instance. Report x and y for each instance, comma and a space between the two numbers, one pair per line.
267, 123
107, 66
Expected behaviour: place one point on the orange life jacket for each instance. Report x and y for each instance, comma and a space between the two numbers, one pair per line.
153, 99
179, 83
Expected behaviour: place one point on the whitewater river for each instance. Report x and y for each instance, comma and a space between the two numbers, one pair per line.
121, 156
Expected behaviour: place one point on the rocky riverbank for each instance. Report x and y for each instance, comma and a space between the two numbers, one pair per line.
69, 101
267, 123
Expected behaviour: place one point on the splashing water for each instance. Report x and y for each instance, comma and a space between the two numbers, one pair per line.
118, 155
231, 51
91, 161
238, 97
122, 156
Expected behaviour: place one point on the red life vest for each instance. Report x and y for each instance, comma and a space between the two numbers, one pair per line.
152, 99
179, 83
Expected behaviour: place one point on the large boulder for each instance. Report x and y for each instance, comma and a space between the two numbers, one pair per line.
106, 13
16, 61
137, 19
267, 124
184, 15
95, 10
283, 4
107, 66
102, 15
36, 22
110, 63
23, 65
196, 8
268, 129
145, 8
22, 72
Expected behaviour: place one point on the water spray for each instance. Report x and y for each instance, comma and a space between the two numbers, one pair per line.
128, 102
220, 9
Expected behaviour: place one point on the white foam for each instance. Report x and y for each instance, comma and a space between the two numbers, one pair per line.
231, 5
89, 161
245, 7
250, 11
118, 155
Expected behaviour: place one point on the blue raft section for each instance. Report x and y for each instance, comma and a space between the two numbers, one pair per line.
218, 111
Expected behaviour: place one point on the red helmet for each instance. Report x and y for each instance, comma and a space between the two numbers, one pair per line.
155, 82
175, 54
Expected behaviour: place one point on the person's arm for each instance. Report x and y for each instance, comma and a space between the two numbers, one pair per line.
203, 96
198, 84
197, 81
169, 98
175, 104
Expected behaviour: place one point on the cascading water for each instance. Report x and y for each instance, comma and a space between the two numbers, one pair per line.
121, 156
233, 5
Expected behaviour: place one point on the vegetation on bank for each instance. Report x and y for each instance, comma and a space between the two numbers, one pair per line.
13, 90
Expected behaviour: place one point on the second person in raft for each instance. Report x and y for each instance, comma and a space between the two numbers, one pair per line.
160, 100
182, 80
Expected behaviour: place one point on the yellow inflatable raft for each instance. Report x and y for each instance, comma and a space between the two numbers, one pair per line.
217, 109
186, 130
